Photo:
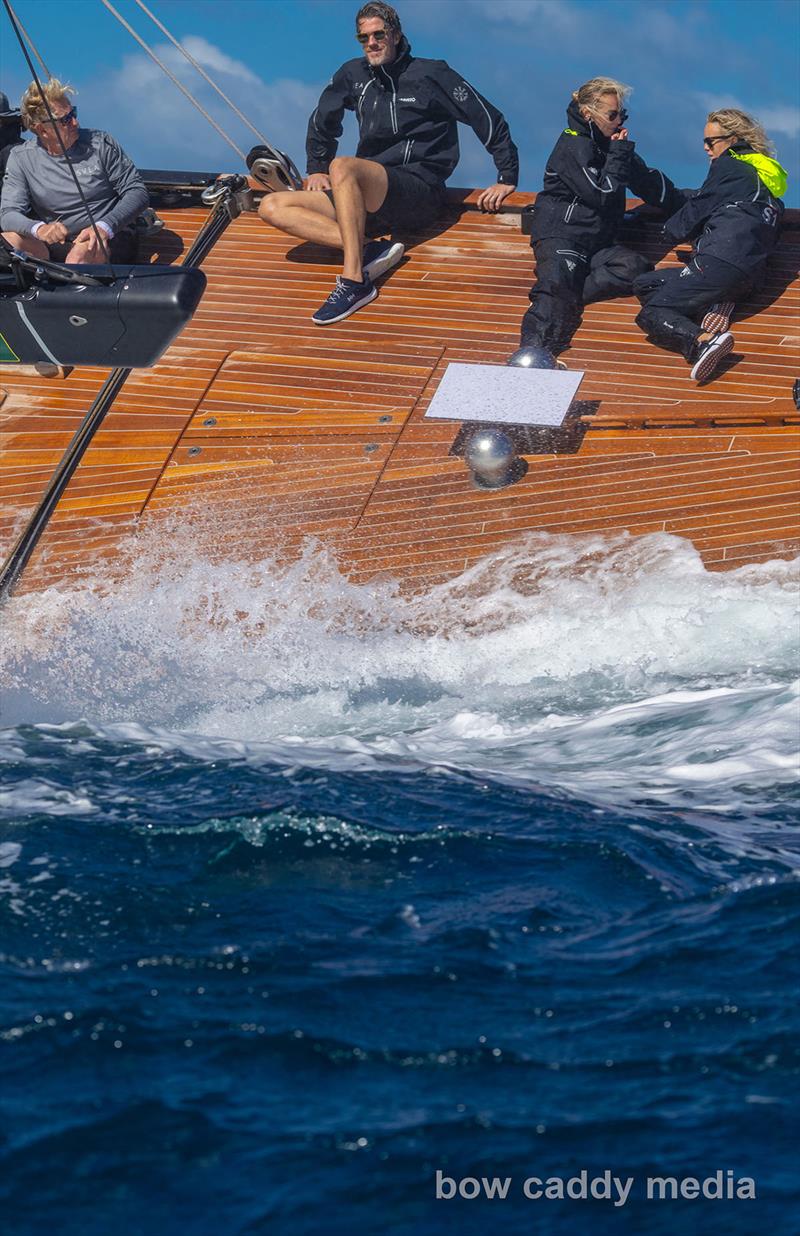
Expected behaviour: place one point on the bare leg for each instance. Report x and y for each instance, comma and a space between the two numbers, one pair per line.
28, 244
310, 216
359, 186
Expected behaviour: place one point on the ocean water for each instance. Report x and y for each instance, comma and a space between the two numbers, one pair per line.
310, 892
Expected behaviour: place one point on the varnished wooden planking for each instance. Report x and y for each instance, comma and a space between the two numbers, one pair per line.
295, 408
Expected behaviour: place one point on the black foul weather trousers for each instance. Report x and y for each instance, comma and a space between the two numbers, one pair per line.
568, 278
674, 298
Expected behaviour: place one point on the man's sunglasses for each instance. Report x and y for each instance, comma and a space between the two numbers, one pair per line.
709, 141
380, 36
66, 119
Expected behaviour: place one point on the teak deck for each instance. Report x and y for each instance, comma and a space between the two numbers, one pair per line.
274, 429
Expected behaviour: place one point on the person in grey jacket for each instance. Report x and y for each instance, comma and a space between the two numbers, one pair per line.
41, 211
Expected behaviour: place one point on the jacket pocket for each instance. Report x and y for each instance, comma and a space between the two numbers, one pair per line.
570, 209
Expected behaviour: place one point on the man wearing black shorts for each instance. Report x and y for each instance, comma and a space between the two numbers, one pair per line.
407, 111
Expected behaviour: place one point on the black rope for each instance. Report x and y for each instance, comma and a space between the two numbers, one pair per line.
101, 240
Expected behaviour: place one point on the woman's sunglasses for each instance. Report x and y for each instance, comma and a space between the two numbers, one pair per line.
708, 142
380, 36
617, 114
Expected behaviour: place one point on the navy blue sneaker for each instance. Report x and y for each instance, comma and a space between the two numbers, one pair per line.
380, 256
345, 298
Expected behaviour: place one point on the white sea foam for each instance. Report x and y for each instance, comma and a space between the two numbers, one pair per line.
618, 668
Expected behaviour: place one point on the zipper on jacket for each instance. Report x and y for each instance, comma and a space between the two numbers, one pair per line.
570, 209
407, 154
360, 104
392, 101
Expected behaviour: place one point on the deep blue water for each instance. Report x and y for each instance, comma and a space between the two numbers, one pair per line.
298, 910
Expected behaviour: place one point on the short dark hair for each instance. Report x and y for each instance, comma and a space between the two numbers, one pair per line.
376, 8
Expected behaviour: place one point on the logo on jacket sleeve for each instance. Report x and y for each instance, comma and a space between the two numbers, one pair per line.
460, 93
770, 216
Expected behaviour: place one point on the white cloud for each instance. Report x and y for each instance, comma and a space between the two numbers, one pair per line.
159, 126
777, 118
558, 13
211, 57
781, 119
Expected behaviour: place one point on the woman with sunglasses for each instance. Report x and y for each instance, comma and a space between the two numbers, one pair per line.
735, 217
41, 209
579, 212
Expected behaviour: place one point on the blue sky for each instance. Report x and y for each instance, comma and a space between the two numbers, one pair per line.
273, 56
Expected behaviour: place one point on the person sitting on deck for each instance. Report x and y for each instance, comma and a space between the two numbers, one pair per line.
407, 109
41, 211
579, 211
735, 216
10, 131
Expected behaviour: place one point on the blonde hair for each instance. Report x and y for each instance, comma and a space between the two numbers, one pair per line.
590, 92
33, 108
746, 129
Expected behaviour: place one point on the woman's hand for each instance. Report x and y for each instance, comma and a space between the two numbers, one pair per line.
492, 198
318, 182
620, 136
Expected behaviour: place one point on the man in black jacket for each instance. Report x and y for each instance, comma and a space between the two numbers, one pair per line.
407, 111
10, 131
579, 212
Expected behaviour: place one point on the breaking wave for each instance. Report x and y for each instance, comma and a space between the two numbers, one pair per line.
617, 669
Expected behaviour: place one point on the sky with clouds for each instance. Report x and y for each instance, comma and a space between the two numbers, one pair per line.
272, 57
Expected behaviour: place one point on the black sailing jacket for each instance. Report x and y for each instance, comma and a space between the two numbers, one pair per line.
583, 198
407, 116
737, 211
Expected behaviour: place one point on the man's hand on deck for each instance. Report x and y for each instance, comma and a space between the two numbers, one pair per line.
318, 182
492, 198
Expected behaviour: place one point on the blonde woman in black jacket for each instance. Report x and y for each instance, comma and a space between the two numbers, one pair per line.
579, 211
733, 220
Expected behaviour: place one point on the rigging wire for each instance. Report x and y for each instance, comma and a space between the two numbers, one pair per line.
101, 239
201, 71
172, 78
30, 43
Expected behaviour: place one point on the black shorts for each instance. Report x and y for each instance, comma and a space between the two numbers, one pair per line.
123, 247
410, 204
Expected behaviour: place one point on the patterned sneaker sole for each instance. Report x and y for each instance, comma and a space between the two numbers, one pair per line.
374, 270
709, 361
353, 309
718, 318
